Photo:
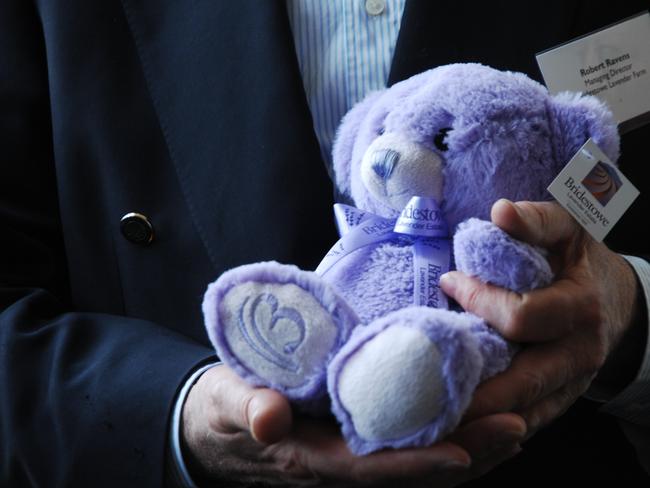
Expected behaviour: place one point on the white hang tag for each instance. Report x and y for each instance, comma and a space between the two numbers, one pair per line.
612, 64
593, 190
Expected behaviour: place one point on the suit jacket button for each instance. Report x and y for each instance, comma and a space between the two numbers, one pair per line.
137, 228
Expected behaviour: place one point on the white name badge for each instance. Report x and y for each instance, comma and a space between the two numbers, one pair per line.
593, 190
612, 64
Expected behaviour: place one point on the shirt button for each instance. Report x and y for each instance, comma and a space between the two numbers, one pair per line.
136, 228
375, 7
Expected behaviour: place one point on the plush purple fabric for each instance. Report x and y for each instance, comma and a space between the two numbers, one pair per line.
310, 395
495, 350
497, 135
505, 137
463, 362
361, 278
483, 250
509, 138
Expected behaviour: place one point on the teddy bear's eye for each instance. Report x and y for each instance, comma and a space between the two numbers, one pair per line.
381, 130
439, 139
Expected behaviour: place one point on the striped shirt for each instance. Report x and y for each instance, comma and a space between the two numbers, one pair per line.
344, 49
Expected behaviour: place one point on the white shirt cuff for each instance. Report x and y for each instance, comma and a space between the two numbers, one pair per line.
633, 403
175, 441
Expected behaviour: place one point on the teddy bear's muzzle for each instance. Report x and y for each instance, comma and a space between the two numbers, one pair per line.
394, 169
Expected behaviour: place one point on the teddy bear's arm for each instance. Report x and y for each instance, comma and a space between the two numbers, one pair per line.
483, 250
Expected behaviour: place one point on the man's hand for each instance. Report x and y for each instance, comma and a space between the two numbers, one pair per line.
569, 328
233, 433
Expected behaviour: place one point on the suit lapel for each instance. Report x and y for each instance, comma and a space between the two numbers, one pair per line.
227, 90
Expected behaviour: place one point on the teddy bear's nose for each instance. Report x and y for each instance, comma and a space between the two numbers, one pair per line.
383, 162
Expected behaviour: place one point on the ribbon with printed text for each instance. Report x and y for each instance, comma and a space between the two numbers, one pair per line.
421, 223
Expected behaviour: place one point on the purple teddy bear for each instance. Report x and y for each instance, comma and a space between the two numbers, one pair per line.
358, 336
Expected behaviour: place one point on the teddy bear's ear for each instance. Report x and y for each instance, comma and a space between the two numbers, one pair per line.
575, 118
346, 137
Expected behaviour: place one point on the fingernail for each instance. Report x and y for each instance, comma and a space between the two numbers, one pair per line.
508, 440
456, 464
517, 209
504, 446
504, 201
448, 283
509, 437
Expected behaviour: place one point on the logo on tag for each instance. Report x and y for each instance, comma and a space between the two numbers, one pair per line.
602, 182
593, 190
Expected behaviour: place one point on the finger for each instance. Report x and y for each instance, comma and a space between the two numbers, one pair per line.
411, 463
494, 459
490, 433
490, 440
323, 451
478, 468
265, 413
553, 406
535, 373
484, 435
537, 316
543, 224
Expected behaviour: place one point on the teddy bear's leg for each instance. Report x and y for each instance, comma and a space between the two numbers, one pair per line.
278, 326
483, 250
406, 379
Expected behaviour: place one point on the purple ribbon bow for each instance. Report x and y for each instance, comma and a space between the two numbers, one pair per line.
421, 220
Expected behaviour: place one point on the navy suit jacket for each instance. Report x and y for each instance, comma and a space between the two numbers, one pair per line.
192, 113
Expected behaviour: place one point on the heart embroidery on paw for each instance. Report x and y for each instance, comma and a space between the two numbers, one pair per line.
258, 319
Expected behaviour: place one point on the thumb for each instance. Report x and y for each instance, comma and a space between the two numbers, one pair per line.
543, 224
269, 416
265, 413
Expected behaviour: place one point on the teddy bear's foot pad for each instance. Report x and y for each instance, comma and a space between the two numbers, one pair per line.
277, 326
405, 379
398, 358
